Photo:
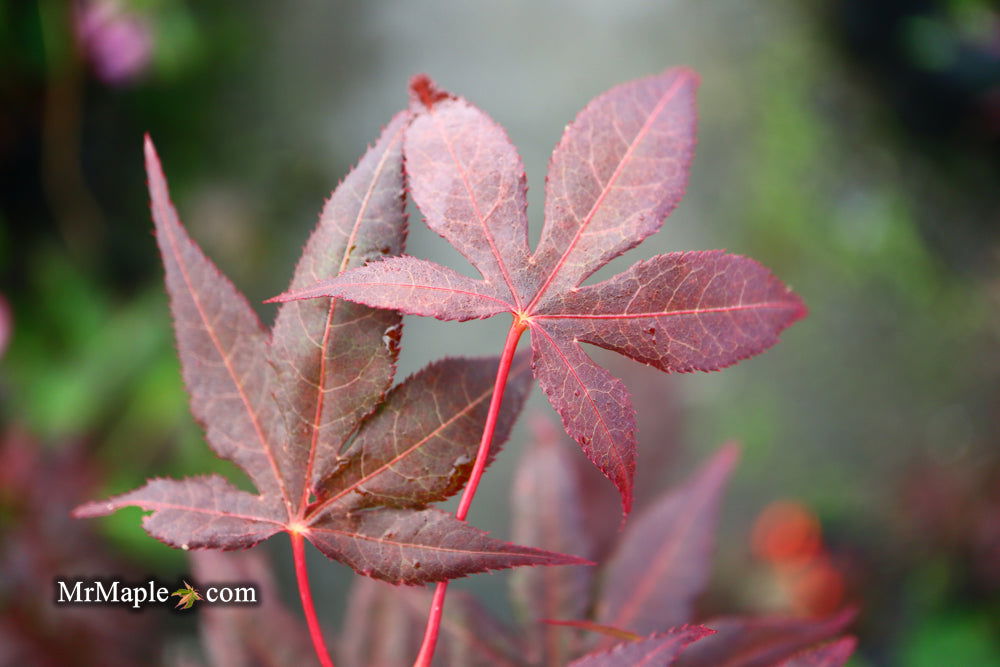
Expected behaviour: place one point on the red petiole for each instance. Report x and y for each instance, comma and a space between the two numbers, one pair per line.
426, 654
308, 608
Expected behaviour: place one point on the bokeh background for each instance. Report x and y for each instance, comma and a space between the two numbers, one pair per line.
851, 145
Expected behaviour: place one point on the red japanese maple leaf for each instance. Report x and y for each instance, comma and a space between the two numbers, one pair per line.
303, 409
619, 170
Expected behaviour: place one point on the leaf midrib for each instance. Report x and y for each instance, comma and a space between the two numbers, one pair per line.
643, 131
475, 206
210, 330
318, 512
321, 384
765, 305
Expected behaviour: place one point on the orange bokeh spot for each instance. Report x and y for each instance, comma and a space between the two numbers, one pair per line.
786, 533
817, 589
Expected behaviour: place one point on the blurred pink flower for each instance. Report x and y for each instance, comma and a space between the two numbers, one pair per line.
117, 42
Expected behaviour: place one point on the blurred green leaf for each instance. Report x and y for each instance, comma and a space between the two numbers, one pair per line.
953, 638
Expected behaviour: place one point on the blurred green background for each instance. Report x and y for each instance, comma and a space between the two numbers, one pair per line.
852, 146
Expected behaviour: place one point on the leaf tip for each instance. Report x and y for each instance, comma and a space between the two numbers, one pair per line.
685, 72
149, 150
89, 510
729, 453
625, 486
698, 631
424, 93
281, 298
801, 309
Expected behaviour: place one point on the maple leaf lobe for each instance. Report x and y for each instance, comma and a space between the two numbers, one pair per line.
419, 445
335, 359
620, 168
202, 512
762, 641
223, 349
407, 547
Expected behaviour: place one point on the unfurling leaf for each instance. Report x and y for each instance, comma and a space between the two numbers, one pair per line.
661, 648
619, 170
304, 410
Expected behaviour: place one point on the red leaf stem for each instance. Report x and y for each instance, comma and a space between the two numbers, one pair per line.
482, 458
302, 576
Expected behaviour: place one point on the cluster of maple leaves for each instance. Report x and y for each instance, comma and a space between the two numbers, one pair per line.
617, 614
637, 607
339, 455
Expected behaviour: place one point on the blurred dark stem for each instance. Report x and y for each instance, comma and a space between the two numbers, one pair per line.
77, 212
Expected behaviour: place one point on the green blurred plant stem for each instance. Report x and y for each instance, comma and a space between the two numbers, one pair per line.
77, 212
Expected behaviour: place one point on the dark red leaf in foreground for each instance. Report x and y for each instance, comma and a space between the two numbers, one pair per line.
411, 451
223, 349
833, 654
336, 359
620, 168
664, 559
197, 513
656, 650
283, 407
413, 547
761, 641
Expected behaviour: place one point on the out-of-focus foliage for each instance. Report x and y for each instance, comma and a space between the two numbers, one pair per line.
39, 542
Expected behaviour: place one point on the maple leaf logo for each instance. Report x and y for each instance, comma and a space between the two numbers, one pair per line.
188, 596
